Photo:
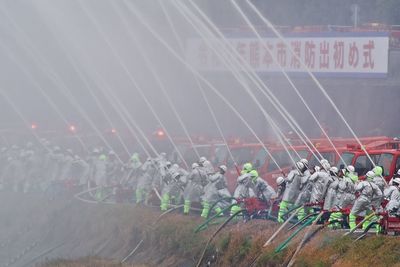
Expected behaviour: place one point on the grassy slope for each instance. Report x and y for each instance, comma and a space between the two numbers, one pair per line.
172, 241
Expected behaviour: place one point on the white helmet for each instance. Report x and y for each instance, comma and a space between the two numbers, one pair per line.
223, 168
175, 166
300, 165
350, 168
305, 162
370, 174
195, 165
325, 165
334, 170
398, 171
322, 161
202, 159
317, 168
280, 180
396, 180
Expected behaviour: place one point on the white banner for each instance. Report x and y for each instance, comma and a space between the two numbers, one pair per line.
330, 55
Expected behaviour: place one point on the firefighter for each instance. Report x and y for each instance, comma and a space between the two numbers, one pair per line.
247, 167
332, 191
349, 172
177, 196
54, 171
164, 176
293, 181
281, 183
28, 181
208, 168
305, 191
100, 176
346, 197
381, 183
80, 171
65, 172
167, 179
173, 189
261, 188
161, 175
145, 180
12, 173
113, 168
321, 180
197, 179
133, 170
392, 195
92, 159
362, 207
161, 160
214, 191
201, 161
242, 190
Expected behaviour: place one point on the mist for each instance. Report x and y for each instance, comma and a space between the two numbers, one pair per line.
63, 37
116, 77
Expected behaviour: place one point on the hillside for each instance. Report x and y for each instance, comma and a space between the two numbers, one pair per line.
36, 231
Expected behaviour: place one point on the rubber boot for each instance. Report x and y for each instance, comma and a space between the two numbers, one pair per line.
283, 208
139, 196
235, 209
218, 210
372, 219
301, 213
206, 209
99, 194
378, 228
352, 221
367, 222
335, 216
164, 202
186, 207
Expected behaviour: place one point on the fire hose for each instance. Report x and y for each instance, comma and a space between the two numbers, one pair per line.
305, 238
287, 241
204, 224
215, 233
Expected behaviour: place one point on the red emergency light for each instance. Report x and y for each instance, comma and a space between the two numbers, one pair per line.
72, 128
113, 131
34, 126
160, 133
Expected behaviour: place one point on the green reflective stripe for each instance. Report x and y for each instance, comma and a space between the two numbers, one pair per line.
235, 209
206, 209
352, 221
218, 210
139, 195
334, 218
186, 207
164, 202
301, 213
283, 208
371, 219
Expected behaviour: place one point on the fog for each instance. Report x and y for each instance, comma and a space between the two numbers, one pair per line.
126, 76
88, 46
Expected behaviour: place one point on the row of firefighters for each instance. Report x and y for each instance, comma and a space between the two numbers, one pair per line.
49, 168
